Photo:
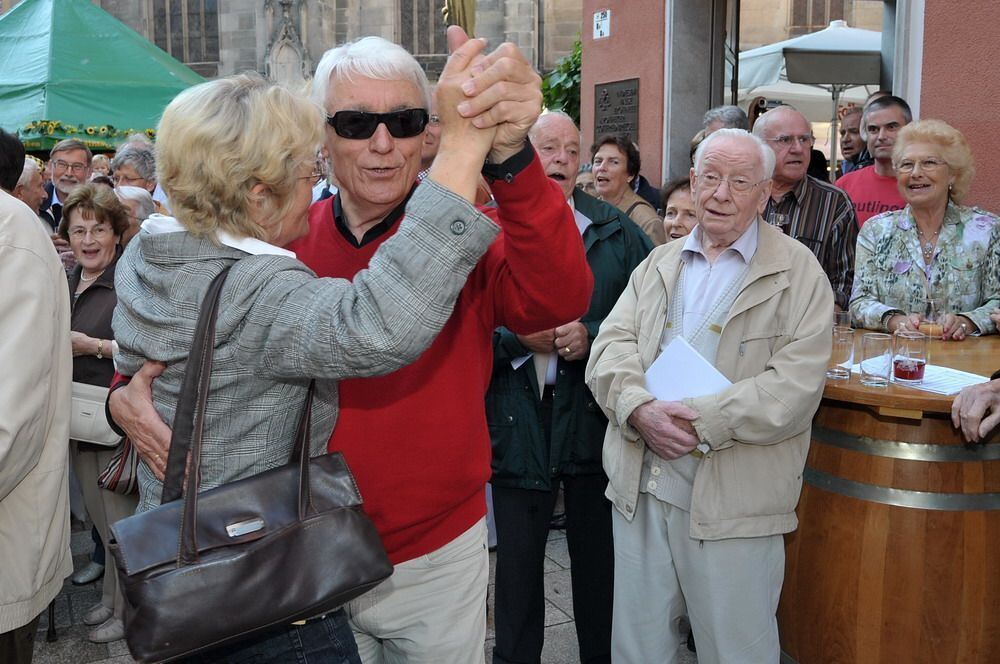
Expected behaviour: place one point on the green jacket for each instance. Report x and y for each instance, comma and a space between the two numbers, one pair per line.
521, 456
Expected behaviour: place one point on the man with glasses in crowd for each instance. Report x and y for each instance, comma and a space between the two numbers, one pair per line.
417, 440
873, 189
704, 488
808, 209
70, 165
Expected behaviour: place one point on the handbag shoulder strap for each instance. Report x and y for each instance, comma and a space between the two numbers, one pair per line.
193, 397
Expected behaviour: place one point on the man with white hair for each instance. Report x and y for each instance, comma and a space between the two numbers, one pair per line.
30, 187
813, 211
416, 439
140, 205
704, 487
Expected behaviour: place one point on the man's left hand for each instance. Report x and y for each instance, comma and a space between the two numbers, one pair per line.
505, 91
571, 341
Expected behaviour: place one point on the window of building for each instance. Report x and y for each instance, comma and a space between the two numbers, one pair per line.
422, 33
189, 31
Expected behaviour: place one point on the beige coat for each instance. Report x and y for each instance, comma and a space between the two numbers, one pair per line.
34, 417
774, 348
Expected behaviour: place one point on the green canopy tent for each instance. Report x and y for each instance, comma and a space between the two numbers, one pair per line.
68, 69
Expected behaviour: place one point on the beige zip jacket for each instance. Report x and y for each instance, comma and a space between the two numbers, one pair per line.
774, 348
37, 365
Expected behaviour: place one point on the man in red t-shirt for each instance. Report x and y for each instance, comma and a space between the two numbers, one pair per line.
873, 189
417, 439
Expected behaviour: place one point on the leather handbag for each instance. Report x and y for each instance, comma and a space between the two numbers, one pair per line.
87, 420
286, 545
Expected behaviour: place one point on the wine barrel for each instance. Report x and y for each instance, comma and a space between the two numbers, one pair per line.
897, 554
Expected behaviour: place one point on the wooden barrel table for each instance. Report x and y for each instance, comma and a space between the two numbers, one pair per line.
897, 556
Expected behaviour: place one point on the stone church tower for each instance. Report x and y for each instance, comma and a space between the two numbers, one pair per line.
284, 39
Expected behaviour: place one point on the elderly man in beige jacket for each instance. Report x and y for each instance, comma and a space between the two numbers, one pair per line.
34, 426
703, 489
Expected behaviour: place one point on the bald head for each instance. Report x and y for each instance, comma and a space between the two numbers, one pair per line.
557, 140
789, 134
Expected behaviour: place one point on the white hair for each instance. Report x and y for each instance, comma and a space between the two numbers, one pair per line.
369, 57
30, 168
535, 128
140, 197
766, 154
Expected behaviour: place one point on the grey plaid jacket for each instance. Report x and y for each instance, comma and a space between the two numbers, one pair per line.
279, 326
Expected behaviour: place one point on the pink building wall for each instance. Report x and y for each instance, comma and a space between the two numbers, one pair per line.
960, 84
634, 50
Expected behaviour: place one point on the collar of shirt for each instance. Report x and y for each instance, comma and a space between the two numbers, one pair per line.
55, 197
582, 220
376, 231
745, 245
161, 223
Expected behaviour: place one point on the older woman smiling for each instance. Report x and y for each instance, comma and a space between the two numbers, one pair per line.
932, 248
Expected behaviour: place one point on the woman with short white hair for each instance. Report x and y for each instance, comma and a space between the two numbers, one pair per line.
140, 206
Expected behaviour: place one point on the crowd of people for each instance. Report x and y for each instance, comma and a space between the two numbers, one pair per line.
479, 311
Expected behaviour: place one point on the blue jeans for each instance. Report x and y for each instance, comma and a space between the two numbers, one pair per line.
327, 640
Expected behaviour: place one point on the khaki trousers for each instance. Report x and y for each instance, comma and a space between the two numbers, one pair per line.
104, 508
432, 610
729, 588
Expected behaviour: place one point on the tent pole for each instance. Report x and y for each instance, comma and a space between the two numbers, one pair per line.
834, 137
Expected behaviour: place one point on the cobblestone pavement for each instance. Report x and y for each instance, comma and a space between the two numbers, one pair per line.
72, 647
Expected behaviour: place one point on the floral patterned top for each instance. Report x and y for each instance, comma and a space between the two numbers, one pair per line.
890, 273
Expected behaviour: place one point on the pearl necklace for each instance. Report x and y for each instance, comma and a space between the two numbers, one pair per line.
89, 279
927, 244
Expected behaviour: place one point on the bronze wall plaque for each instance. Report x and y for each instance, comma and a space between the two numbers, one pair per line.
616, 108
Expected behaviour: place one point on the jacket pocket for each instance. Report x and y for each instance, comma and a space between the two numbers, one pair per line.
508, 461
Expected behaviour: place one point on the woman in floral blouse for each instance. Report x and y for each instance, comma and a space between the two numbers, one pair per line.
932, 248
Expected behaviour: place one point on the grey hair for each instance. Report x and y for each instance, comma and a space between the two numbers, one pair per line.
881, 103
766, 154
731, 117
533, 132
142, 198
139, 158
370, 57
30, 168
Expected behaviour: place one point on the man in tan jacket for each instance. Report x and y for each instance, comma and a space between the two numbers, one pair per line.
703, 489
34, 422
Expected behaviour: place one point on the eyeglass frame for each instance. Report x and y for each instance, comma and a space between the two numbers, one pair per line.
929, 165
77, 167
739, 188
786, 141
99, 231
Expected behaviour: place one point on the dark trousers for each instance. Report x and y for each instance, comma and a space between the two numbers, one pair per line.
522, 518
18, 645
320, 641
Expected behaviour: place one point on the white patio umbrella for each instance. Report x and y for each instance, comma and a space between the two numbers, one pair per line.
836, 59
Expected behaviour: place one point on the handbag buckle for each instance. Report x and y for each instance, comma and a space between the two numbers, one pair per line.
241, 528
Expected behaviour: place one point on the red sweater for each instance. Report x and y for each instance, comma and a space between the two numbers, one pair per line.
417, 439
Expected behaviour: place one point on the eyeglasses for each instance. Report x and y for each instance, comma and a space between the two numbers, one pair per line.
65, 165
318, 171
738, 184
786, 141
126, 180
97, 232
925, 165
357, 124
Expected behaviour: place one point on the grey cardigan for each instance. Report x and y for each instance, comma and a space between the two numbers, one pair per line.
279, 326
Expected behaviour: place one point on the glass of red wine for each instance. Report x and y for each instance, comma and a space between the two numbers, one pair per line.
909, 356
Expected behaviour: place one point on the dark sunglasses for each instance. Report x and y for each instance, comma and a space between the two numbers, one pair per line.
358, 124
